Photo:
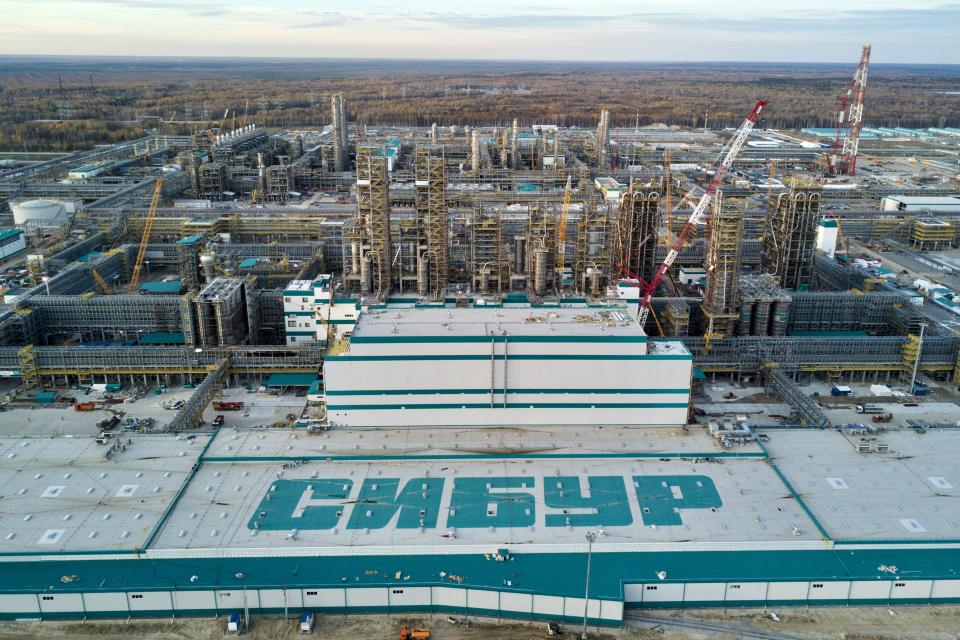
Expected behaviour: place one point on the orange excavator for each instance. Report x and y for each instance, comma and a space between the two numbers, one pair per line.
414, 634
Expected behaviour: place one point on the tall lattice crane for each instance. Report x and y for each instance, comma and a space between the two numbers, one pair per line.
562, 231
145, 239
842, 159
699, 214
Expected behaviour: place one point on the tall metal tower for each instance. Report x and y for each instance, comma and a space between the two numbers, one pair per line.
842, 160
603, 139
341, 141
789, 235
373, 216
723, 267
431, 199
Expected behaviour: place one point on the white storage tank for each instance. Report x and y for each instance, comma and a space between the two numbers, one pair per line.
33, 210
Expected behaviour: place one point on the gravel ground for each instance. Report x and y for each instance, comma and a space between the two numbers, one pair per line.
827, 623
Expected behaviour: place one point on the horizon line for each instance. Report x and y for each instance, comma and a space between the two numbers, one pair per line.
70, 56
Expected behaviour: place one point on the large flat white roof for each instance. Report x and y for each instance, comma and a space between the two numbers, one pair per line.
62, 494
481, 321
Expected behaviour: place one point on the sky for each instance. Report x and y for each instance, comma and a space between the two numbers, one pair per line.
901, 31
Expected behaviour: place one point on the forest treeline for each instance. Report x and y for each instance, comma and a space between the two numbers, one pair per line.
91, 108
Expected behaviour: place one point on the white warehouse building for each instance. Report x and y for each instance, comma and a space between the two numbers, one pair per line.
490, 366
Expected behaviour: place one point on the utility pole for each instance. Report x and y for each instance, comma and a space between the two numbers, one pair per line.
591, 536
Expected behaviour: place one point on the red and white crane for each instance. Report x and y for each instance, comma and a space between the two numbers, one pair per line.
699, 214
842, 159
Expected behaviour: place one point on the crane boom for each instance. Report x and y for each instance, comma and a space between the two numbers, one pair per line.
145, 239
101, 283
699, 214
842, 159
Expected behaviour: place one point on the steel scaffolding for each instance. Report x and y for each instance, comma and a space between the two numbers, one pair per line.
806, 412
638, 222
222, 313
723, 267
192, 411
487, 266
593, 264
373, 215
790, 236
431, 202
105, 318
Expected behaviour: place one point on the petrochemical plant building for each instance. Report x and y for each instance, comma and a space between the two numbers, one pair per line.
483, 366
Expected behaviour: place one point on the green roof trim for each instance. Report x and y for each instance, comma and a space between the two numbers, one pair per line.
6, 234
163, 337
291, 379
171, 287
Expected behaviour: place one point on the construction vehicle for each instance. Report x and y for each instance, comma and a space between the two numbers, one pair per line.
886, 417
306, 622
227, 406
107, 424
869, 408
235, 623
414, 634
84, 406
553, 629
145, 238
697, 217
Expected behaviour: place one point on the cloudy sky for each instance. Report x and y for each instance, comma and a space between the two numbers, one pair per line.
627, 30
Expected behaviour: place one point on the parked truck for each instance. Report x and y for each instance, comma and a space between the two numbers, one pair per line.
306, 622
869, 408
227, 406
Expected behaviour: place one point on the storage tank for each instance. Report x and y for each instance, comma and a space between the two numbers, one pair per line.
540, 272
34, 210
423, 276
746, 317
209, 265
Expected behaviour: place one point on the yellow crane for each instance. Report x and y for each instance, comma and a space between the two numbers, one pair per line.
145, 239
101, 283
562, 231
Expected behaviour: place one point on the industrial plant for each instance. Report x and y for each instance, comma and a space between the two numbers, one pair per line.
525, 371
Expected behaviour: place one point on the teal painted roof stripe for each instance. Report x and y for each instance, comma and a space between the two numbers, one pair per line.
513, 405
529, 573
628, 455
428, 392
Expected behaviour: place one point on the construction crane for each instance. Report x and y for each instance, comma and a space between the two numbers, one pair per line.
562, 231
145, 239
699, 214
842, 159
101, 283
